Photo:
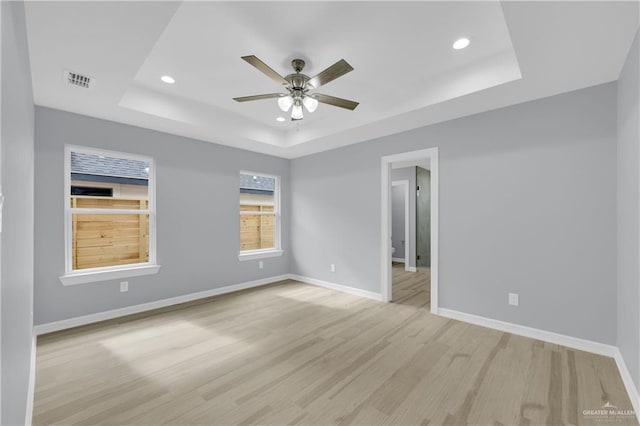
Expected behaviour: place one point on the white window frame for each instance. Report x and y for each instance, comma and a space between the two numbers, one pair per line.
83, 276
277, 242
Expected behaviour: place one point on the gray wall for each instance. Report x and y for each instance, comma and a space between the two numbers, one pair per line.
197, 215
541, 220
629, 213
398, 221
17, 228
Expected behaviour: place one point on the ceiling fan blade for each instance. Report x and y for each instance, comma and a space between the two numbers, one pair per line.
258, 97
265, 69
336, 70
332, 100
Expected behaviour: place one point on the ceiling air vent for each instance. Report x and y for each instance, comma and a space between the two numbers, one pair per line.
79, 80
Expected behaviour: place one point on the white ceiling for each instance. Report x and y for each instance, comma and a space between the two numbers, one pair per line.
406, 74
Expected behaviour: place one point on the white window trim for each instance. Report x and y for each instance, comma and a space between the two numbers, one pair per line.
259, 254
135, 270
277, 248
89, 275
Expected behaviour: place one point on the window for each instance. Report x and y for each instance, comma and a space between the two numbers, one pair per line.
109, 215
259, 216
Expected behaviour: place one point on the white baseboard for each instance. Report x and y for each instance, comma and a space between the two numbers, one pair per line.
398, 259
337, 287
412, 269
115, 313
632, 390
32, 383
534, 333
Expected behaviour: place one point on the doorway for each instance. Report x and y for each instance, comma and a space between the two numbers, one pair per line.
416, 281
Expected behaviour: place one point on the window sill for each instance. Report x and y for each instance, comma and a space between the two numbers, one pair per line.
259, 254
90, 277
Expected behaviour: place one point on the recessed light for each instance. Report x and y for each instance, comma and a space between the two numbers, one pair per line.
168, 79
280, 119
461, 43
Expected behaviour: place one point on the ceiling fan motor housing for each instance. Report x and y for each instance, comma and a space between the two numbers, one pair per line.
297, 81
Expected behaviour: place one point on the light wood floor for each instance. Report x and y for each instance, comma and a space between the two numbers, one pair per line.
291, 353
411, 288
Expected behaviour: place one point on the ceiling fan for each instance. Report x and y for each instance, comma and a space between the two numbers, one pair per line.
299, 85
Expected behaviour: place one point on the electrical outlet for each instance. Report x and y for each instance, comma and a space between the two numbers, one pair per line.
124, 286
333, 267
514, 299
260, 264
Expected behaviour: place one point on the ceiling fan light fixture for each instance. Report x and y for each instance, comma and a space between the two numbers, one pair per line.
285, 103
310, 103
296, 112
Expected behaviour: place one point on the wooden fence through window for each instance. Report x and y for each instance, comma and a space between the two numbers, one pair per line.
109, 239
256, 231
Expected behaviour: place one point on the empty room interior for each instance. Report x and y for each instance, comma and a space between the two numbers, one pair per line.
320, 213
